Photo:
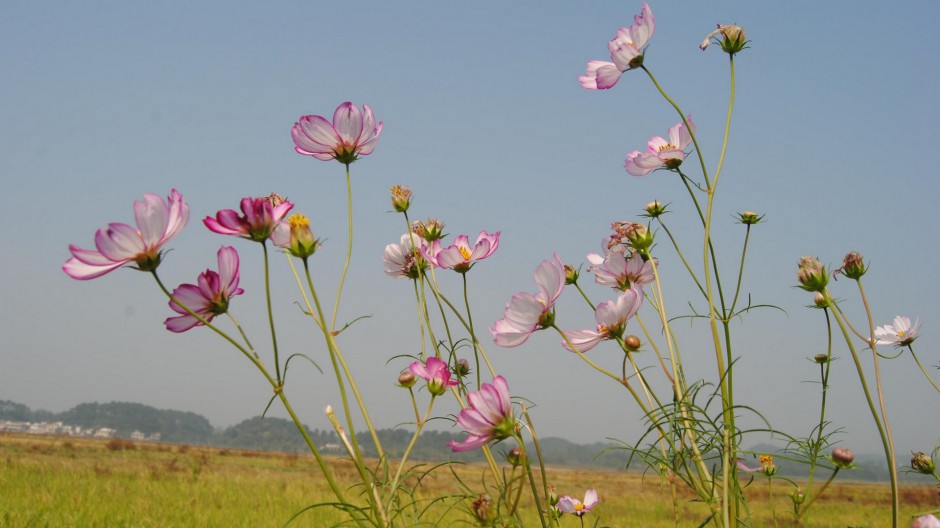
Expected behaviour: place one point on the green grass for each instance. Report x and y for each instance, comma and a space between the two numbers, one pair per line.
66, 482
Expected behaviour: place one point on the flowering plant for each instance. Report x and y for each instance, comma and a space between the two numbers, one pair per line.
693, 436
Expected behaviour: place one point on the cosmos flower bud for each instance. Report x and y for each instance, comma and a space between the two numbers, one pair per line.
842, 458
812, 274
571, 275
633, 342
552, 496
407, 379
515, 456
923, 463
654, 209
821, 359
749, 217
462, 368
821, 301
853, 266
401, 198
797, 496
732, 39
431, 230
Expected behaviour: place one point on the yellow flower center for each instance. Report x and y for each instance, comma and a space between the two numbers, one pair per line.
667, 146
578, 506
901, 334
465, 253
298, 220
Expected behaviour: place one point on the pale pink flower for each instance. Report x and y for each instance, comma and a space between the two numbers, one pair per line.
120, 244
568, 504
402, 261
352, 134
626, 52
611, 317
488, 417
435, 372
926, 521
209, 296
900, 334
620, 273
525, 312
460, 256
257, 222
661, 152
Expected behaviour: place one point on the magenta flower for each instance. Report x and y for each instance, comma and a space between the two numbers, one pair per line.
436, 373
257, 222
460, 257
525, 312
402, 261
616, 271
579, 508
611, 317
488, 418
900, 334
120, 244
209, 296
352, 134
661, 152
626, 52
926, 521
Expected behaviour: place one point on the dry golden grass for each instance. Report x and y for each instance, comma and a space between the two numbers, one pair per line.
71, 482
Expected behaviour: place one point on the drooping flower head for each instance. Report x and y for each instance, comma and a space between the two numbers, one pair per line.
120, 244
460, 256
488, 417
626, 52
259, 218
611, 317
661, 152
568, 504
210, 295
899, 334
295, 236
402, 261
525, 312
352, 134
435, 372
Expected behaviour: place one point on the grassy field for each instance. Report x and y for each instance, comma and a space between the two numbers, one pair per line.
71, 482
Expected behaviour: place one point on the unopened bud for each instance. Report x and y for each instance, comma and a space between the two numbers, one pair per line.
515, 456
842, 457
822, 359
401, 198
923, 463
407, 379
462, 368
749, 217
633, 343
571, 275
853, 266
654, 209
552, 496
812, 274
821, 301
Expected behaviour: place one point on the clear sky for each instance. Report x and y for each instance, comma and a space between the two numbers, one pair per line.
485, 120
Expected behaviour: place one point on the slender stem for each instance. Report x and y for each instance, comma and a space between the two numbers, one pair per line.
922, 369
477, 348
812, 499
267, 294
816, 447
528, 469
584, 295
688, 267
538, 454
414, 440
737, 289
349, 223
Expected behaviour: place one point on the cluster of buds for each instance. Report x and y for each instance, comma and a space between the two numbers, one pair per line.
812, 274
852, 266
430, 231
732, 39
401, 198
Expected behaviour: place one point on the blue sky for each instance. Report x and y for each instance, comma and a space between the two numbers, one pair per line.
485, 120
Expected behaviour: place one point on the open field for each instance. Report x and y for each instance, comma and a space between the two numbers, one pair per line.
72, 482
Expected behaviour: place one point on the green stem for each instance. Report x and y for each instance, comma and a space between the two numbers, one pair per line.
528, 470
267, 294
538, 454
404, 458
922, 369
349, 223
806, 505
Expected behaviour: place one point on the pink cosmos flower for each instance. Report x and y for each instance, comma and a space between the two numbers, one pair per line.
209, 296
611, 317
926, 521
660, 152
616, 271
579, 508
488, 418
435, 372
401, 260
525, 312
900, 334
352, 133
460, 257
120, 244
626, 52
257, 222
